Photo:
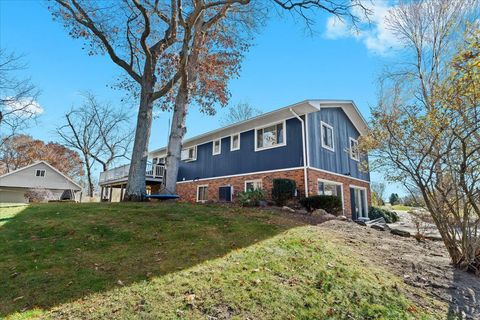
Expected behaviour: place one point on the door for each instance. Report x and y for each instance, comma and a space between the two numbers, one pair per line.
225, 194
358, 203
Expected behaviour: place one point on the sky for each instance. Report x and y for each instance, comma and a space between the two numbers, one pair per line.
285, 65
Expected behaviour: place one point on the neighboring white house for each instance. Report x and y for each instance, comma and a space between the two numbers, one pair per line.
37, 176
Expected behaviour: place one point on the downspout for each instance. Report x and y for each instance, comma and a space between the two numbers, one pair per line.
305, 164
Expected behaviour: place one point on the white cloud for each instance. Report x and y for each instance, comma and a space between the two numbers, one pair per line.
336, 28
375, 34
26, 106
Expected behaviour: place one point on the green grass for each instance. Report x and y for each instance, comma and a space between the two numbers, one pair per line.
52, 253
181, 261
401, 207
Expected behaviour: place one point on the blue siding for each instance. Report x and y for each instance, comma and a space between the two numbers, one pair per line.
338, 161
246, 159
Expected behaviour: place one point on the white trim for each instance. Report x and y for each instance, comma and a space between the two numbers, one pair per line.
271, 171
219, 147
322, 124
307, 139
253, 180
198, 189
283, 144
304, 151
242, 174
365, 196
350, 139
231, 142
339, 174
335, 183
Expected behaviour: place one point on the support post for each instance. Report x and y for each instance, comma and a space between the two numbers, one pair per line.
110, 195
121, 192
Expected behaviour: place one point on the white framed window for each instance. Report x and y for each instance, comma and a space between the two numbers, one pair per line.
202, 193
189, 154
39, 173
270, 136
251, 185
330, 188
235, 142
354, 152
327, 136
217, 147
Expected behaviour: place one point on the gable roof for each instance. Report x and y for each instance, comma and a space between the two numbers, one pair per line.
301, 108
36, 163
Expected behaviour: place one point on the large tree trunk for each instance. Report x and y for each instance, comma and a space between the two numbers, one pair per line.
177, 133
136, 185
178, 129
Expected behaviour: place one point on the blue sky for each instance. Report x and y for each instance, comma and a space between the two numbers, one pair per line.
285, 65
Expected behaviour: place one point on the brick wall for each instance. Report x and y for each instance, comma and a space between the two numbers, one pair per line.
314, 175
188, 190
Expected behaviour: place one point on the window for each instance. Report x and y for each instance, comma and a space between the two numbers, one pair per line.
327, 136
154, 161
217, 147
39, 173
253, 185
189, 154
202, 193
235, 142
354, 152
330, 188
270, 137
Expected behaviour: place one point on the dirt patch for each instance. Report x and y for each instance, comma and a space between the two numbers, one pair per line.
421, 265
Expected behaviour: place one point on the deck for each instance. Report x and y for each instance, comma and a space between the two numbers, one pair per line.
119, 175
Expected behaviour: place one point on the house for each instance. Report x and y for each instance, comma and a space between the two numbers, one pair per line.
39, 176
313, 142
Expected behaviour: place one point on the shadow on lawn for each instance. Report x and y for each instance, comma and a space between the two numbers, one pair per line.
465, 296
54, 253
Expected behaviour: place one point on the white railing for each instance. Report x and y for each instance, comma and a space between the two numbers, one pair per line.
118, 173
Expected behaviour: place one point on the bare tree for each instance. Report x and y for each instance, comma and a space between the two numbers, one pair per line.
114, 130
18, 97
99, 132
201, 23
424, 131
80, 133
378, 188
157, 43
240, 112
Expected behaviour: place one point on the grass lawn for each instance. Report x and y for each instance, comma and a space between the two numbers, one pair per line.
183, 261
401, 207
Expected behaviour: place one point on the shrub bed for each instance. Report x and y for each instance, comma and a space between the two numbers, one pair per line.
331, 204
389, 216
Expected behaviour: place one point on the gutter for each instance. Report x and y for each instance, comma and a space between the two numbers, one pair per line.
305, 160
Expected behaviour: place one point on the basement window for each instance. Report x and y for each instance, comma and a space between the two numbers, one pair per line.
253, 185
202, 193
